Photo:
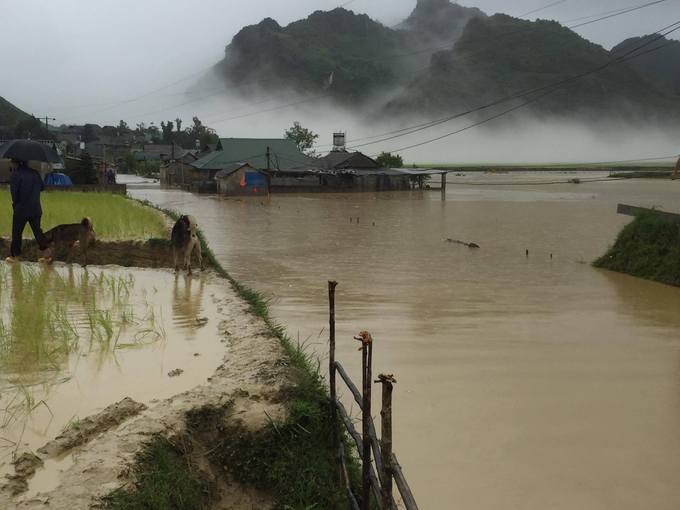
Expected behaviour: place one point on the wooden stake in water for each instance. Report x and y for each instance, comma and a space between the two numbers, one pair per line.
366, 360
387, 382
331, 361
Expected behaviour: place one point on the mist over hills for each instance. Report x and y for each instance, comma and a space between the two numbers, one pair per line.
446, 57
661, 67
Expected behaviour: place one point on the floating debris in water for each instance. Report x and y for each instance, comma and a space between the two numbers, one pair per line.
456, 241
176, 372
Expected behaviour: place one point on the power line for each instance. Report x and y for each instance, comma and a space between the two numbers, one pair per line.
552, 4
419, 127
613, 11
403, 132
548, 90
432, 49
618, 13
268, 110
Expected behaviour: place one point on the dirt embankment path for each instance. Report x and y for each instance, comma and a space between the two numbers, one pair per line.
154, 253
246, 392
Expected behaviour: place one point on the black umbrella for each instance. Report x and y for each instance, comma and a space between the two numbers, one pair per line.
28, 150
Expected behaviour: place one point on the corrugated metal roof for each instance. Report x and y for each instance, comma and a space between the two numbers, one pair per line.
344, 159
284, 154
230, 169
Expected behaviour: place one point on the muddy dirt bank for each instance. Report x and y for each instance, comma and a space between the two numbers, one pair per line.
153, 253
246, 393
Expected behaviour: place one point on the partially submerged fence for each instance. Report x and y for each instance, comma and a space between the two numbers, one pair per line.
378, 484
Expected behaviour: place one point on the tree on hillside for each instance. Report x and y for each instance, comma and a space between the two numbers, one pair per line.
168, 131
123, 128
178, 123
83, 170
200, 132
388, 160
31, 128
303, 138
128, 164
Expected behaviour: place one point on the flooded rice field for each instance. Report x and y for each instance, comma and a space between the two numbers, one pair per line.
74, 340
524, 381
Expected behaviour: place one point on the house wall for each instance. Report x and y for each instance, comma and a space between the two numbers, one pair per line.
238, 183
176, 174
340, 183
311, 181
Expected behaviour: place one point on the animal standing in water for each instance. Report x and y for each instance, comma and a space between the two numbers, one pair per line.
67, 235
184, 240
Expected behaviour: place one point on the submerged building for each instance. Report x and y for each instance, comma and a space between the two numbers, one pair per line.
255, 166
242, 179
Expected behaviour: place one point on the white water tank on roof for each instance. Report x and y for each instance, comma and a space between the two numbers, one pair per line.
339, 141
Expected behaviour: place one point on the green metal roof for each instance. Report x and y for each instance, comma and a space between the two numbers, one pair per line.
284, 154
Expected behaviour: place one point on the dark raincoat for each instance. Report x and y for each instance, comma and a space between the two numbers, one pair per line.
26, 185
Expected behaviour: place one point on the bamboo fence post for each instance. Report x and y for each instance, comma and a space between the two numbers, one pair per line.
387, 382
402, 485
331, 353
366, 355
331, 370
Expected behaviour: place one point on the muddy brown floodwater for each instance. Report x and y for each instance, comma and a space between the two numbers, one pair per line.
523, 382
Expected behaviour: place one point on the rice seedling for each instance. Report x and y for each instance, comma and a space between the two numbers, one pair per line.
48, 315
115, 217
51, 318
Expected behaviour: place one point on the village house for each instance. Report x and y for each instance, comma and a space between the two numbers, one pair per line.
242, 179
341, 170
263, 154
179, 172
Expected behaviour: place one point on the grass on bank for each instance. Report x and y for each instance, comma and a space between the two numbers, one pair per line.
648, 247
293, 461
164, 481
115, 217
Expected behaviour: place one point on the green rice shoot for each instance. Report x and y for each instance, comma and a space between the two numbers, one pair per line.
114, 217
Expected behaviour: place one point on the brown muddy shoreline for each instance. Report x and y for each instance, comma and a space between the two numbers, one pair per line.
153, 253
249, 389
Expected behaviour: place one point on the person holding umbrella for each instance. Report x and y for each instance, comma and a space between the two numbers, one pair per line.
26, 184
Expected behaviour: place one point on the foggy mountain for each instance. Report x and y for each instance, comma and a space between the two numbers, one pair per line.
10, 116
443, 58
498, 56
662, 67
346, 55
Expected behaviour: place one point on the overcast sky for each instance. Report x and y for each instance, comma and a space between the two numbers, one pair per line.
68, 58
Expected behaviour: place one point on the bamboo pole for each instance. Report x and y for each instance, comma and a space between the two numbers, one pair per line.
387, 382
375, 445
331, 372
402, 485
366, 359
354, 434
350, 384
331, 329
345, 476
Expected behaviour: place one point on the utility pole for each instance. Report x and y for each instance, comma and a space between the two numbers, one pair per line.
47, 126
269, 160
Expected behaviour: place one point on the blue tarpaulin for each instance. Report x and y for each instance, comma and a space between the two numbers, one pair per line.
255, 179
57, 179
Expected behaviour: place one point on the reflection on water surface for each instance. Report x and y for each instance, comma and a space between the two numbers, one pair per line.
524, 382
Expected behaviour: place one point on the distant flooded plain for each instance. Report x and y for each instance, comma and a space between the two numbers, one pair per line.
524, 382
